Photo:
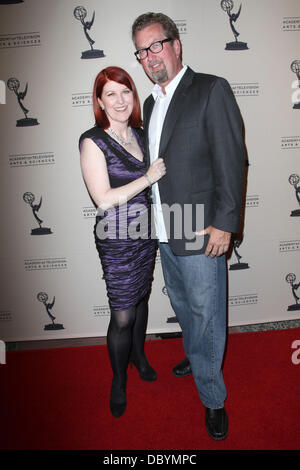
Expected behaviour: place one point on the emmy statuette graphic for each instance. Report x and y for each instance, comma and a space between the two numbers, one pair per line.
43, 297
80, 14
238, 265
13, 84
227, 5
290, 279
169, 319
294, 180
29, 198
295, 67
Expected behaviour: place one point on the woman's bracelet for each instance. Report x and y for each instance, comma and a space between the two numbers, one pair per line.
148, 180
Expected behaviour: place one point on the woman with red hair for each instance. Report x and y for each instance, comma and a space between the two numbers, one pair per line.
115, 173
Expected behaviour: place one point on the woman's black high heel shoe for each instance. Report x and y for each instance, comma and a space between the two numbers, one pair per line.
117, 400
146, 372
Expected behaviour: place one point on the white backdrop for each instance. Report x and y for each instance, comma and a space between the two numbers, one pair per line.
41, 44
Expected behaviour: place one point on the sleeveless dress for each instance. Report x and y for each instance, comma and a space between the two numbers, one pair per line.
123, 233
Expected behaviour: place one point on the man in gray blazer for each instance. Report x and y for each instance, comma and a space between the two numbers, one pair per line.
192, 121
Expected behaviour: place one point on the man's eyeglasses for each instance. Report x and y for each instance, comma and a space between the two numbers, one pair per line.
155, 47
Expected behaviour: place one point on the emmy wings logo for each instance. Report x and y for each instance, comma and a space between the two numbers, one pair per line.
236, 45
173, 319
29, 198
294, 181
13, 84
295, 67
43, 298
80, 14
238, 265
291, 279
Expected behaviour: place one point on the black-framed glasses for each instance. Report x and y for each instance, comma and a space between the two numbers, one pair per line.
155, 47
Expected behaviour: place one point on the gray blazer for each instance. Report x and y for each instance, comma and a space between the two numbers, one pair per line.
203, 149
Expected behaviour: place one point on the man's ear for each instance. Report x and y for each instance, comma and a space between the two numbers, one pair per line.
177, 47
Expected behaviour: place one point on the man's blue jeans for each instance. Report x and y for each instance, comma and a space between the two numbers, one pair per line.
196, 287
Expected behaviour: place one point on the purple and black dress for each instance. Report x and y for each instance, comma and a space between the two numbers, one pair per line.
123, 233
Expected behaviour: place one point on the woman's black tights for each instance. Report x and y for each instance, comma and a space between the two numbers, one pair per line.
126, 337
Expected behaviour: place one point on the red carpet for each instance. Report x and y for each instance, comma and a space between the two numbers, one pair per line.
58, 399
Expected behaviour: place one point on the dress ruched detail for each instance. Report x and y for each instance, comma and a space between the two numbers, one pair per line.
123, 233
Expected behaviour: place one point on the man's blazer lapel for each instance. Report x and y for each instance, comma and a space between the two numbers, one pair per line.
174, 110
148, 107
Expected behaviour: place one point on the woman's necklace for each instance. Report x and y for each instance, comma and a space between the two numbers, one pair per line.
119, 139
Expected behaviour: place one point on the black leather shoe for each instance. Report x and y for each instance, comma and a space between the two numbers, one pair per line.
146, 372
216, 422
117, 400
183, 369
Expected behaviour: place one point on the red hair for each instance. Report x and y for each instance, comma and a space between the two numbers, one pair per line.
118, 75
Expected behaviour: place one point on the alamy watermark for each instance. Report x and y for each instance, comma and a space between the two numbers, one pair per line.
2, 352
135, 221
296, 353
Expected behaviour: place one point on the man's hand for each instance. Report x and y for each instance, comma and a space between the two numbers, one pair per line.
218, 242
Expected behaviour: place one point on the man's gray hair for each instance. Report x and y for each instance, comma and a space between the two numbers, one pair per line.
147, 19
